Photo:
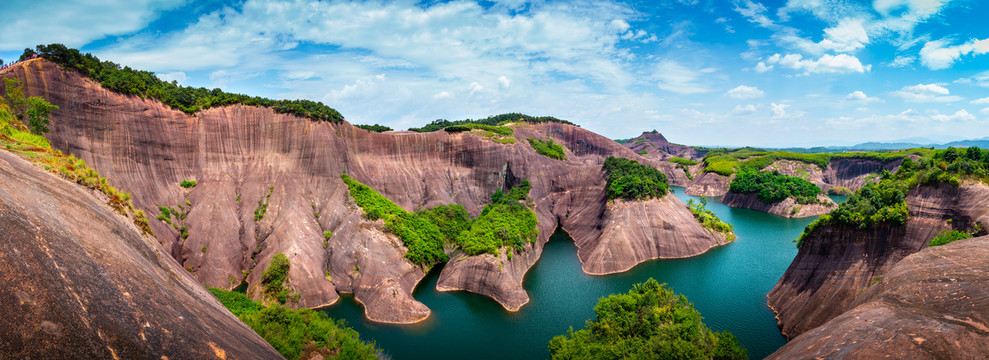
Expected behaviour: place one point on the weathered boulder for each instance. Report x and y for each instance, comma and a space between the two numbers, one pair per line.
81, 281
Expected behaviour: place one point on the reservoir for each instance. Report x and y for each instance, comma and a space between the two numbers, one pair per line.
728, 285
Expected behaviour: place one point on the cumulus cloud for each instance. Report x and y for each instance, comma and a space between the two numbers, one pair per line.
745, 92
860, 97
926, 93
960, 115
981, 101
985, 111
747, 109
779, 111
902, 61
938, 55
74, 23
841, 63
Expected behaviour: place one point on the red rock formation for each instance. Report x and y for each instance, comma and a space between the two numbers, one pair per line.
786, 208
709, 184
838, 262
849, 173
931, 305
246, 156
657, 147
80, 281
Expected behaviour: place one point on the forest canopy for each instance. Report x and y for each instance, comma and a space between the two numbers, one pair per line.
628, 179
187, 99
494, 120
772, 187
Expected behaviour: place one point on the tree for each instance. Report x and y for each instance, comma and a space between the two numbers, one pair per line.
37, 114
14, 97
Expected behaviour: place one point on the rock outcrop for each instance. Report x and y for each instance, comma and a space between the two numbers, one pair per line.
933, 304
709, 184
269, 183
657, 147
848, 173
787, 208
837, 263
81, 282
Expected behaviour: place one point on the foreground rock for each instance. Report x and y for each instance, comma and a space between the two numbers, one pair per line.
931, 305
80, 281
838, 263
269, 183
787, 208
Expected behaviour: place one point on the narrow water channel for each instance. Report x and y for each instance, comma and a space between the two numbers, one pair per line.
728, 285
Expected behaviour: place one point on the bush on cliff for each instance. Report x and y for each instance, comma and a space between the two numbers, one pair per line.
374, 128
649, 322
504, 222
708, 220
297, 333
948, 236
273, 280
440, 124
772, 187
184, 98
630, 180
548, 148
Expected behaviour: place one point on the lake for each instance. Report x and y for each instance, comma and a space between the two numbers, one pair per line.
728, 285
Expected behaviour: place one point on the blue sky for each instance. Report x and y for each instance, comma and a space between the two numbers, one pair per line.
703, 72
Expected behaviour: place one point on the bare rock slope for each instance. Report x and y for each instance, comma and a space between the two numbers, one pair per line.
269, 183
786, 208
837, 263
931, 305
80, 281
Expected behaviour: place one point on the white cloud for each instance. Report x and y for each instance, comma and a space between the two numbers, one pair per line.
848, 35
902, 61
938, 55
673, 77
748, 109
926, 93
841, 63
178, 76
745, 92
981, 101
901, 16
754, 12
779, 110
860, 97
960, 115
985, 111
74, 23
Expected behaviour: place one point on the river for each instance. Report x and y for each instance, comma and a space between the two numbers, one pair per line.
728, 285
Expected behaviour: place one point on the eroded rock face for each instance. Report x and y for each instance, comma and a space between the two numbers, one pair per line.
657, 147
931, 305
786, 208
837, 263
709, 184
250, 162
80, 281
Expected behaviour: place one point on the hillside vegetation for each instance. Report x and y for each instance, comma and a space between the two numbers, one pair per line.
297, 334
727, 162
884, 202
629, 180
494, 120
649, 322
772, 187
187, 99
504, 223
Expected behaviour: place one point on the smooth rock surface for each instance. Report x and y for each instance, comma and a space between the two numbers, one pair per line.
80, 281
787, 208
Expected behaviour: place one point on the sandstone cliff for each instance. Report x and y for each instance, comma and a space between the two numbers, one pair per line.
80, 281
848, 173
246, 159
786, 208
837, 263
931, 305
709, 184
657, 147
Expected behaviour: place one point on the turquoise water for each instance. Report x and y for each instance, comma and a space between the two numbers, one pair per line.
728, 285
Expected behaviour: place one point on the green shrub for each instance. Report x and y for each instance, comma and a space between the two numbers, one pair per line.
548, 148
840, 191
273, 278
327, 235
649, 322
374, 128
491, 120
188, 184
772, 187
708, 220
948, 236
682, 161
296, 334
643, 152
629, 180
145, 84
